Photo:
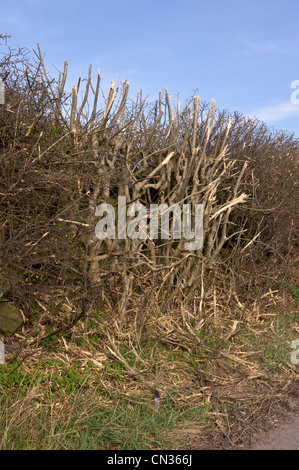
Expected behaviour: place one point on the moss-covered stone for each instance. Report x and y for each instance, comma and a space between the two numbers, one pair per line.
10, 319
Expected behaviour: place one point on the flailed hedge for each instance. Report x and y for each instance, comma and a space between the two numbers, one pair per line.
62, 154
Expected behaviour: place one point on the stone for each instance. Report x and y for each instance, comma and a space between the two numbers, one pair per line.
10, 319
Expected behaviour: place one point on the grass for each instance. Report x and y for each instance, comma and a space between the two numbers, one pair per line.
48, 409
294, 289
76, 397
270, 341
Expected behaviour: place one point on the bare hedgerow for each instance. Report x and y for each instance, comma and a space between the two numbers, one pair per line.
272, 184
269, 223
63, 154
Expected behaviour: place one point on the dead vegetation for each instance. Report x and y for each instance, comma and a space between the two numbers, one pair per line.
199, 325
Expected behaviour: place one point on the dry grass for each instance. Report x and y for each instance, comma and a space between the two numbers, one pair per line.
220, 367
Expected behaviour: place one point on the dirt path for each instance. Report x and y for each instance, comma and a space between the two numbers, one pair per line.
285, 436
273, 426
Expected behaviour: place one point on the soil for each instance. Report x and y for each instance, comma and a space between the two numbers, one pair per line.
274, 425
282, 431
284, 437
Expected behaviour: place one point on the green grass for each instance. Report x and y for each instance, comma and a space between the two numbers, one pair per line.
294, 289
271, 342
63, 411
52, 404
277, 347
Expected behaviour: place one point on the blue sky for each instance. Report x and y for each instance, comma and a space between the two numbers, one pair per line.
243, 54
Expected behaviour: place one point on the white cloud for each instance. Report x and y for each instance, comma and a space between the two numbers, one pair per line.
264, 47
255, 47
276, 111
